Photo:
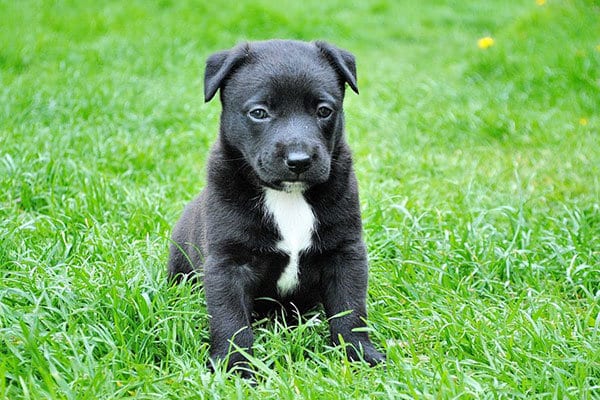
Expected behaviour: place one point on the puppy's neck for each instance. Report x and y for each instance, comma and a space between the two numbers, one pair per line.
295, 221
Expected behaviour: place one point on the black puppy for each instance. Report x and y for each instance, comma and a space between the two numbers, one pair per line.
279, 217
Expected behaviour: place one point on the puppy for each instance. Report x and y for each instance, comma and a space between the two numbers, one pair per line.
279, 217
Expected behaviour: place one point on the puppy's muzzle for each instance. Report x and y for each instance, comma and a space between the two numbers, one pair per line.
294, 162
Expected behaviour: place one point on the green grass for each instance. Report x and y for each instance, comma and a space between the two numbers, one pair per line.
479, 174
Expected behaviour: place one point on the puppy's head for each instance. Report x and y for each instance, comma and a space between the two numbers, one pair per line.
282, 107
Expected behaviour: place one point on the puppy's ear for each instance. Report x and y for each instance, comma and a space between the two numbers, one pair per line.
219, 66
343, 61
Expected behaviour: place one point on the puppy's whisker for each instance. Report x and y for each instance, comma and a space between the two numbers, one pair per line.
228, 160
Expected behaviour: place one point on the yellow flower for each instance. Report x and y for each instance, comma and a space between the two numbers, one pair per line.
598, 47
485, 42
583, 121
540, 2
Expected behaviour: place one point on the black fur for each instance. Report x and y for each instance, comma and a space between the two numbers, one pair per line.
225, 233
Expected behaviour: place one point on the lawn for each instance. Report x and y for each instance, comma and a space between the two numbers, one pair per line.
478, 168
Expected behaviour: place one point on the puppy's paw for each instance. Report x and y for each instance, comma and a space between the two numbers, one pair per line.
373, 357
234, 363
365, 351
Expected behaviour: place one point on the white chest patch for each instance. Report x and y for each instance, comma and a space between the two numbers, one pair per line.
295, 220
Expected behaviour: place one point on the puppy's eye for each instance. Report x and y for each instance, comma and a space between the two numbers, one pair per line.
324, 112
258, 113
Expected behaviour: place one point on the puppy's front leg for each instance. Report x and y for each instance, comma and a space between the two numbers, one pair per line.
344, 302
229, 304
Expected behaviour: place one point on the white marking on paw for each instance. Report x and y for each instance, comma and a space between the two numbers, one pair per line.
295, 220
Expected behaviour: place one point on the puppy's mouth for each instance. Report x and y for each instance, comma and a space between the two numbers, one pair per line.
294, 186
288, 186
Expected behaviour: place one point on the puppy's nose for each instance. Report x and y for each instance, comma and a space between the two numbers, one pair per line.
297, 161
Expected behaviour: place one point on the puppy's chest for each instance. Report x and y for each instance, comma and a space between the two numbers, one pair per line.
295, 221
